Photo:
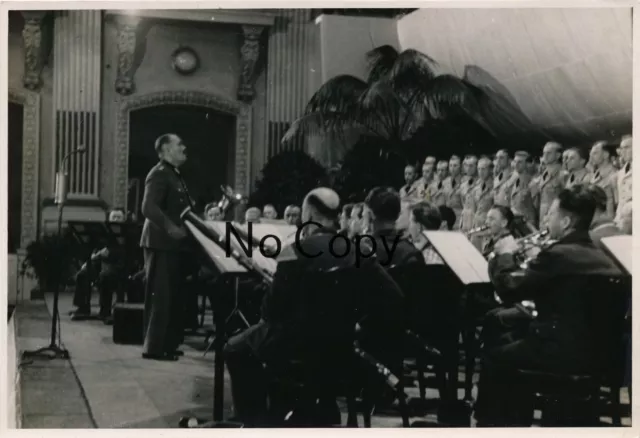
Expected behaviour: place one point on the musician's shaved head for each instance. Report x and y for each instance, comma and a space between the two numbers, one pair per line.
321, 205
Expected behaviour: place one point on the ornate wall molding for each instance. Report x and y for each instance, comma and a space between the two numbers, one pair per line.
127, 43
249, 57
241, 111
30, 162
33, 48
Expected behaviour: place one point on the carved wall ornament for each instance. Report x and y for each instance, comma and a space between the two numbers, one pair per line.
127, 35
33, 48
30, 102
250, 57
241, 111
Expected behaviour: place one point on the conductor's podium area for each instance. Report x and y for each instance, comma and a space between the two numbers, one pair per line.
430, 382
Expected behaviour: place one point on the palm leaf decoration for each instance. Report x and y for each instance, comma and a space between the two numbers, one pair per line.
402, 92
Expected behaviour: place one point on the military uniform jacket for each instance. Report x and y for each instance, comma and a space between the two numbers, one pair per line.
454, 199
284, 327
165, 197
482, 198
437, 192
559, 338
468, 203
502, 183
404, 252
606, 178
522, 200
581, 176
419, 189
625, 188
547, 188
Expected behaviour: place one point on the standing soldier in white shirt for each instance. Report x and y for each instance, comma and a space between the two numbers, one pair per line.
604, 174
452, 185
575, 167
546, 188
421, 186
521, 199
502, 180
437, 191
482, 197
625, 188
469, 181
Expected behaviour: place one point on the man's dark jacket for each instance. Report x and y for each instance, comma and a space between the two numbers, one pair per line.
283, 329
561, 336
165, 197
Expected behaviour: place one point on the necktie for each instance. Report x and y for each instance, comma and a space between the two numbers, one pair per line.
597, 175
517, 183
627, 168
470, 181
572, 179
484, 186
500, 177
440, 185
545, 175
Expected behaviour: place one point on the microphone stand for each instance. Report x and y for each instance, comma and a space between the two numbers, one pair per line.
55, 351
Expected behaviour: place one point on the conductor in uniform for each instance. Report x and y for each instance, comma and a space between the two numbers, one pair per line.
165, 244
560, 339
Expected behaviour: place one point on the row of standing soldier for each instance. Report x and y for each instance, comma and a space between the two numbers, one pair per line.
471, 186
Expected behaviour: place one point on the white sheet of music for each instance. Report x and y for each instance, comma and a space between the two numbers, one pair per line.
620, 248
214, 251
460, 255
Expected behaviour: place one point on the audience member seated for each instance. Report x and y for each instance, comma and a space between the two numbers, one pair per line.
282, 333
269, 212
252, 215
558, 339
292, 215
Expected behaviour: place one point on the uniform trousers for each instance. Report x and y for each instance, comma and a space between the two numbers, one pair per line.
164, 303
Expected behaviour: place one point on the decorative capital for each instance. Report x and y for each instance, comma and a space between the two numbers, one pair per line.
127, 34
33, 48
250, 55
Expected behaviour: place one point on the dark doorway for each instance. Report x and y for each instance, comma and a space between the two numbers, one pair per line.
209, 136
16, 115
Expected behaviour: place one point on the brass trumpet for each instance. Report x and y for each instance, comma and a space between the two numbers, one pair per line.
477, 230
530, 246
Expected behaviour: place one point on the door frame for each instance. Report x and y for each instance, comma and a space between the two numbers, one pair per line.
242, 145
30, 102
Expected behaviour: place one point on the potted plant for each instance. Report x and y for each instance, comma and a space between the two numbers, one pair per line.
49, 259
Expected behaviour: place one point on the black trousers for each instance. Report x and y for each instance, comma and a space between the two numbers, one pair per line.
249, 384
82, 294
504, 325
164, 303
108, 284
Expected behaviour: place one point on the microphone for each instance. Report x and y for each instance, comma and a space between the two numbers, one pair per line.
60, 192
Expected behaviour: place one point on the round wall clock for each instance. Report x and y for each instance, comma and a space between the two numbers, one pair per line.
185, 60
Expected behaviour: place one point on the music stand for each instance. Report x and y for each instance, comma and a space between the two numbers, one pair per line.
231, 270
472, 270
620, 249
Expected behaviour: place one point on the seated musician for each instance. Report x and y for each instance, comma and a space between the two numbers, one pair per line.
500, 222
425, 217
281, 334
105, 267
602, 225
383, 208
558, 339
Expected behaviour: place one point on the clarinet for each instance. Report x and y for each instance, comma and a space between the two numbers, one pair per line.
249, 264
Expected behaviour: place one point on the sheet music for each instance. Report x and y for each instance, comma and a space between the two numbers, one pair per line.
460, 255
621, 249
216, 253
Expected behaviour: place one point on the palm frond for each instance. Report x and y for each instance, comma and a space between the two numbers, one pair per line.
338, 95
380, 62
412, 69
319, 123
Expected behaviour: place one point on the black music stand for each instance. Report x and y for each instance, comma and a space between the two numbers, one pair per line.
231, 271
472, 270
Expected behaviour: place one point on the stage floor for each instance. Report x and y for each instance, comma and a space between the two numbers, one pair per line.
105, 385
